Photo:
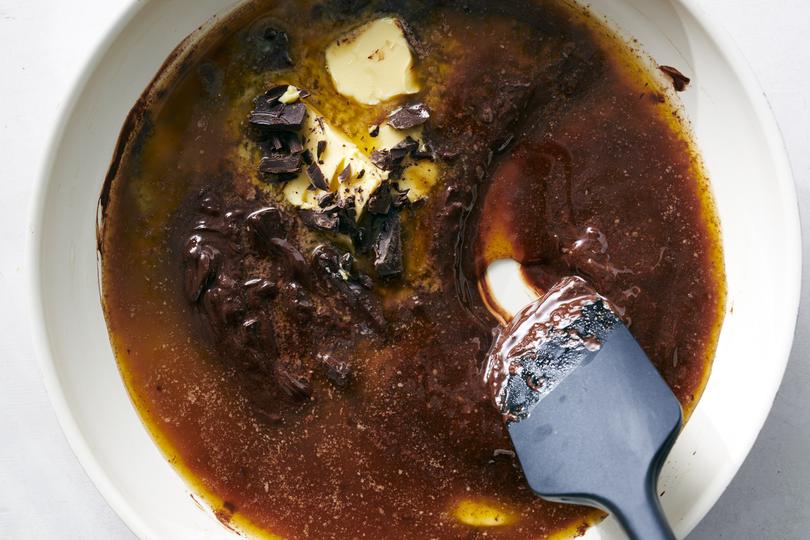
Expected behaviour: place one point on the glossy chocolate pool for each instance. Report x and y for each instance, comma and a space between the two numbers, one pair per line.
302, 394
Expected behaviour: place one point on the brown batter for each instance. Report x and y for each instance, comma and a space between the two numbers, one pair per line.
298, 391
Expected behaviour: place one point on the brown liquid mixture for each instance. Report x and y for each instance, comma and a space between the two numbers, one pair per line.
308, 406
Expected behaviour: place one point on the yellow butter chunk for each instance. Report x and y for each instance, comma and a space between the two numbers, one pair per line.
339, 152
373, 63
363, 178
482, 514
291, 95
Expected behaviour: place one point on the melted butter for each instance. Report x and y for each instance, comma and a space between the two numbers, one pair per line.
483, 514
163, 370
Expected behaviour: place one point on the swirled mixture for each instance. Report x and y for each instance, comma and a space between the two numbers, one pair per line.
298, 217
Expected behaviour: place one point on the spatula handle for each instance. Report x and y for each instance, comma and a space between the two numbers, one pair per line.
642, 517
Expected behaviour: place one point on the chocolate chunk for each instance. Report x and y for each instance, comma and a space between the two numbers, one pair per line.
274, 142
259, 289
365, 280
345, 174
361, 174
348, 203
679, 80
293, 143
346, 262
409, 116
448, 154
276, 179
201, 267
296, 386
222, 303
320, 150
270, 46
400, 199
380, 201
316, 177
389, 160
280, 117
374, 130
337, 371
266, 224
280, 163
387, 245
327, 258
321, 221
427, 153
403, 148
382, 159
504, 144
269, 99
327, 199
294, 263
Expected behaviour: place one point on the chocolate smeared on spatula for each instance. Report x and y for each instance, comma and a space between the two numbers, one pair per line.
590, 418
544, 343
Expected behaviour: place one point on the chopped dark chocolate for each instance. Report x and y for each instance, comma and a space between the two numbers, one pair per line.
320, 150
296, 386
339, 372
316, 177
265, 224
409, 116
294, 262
382, 159
280, 163
374, 130
257, 290
348, 203
293, 142
679, 80
275, 142
346, 262
266, 101
271, 46
503, 145
279, 117
380, 201
426, 152
387, 245
345, 174
361, 174
403, 148
448, 154
320, 220
388, 160
400, 199
365, 280
327, 199
201, 267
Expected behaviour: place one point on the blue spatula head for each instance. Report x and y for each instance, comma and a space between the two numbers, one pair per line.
590, 417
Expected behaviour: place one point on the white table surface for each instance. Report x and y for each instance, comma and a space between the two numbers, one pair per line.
44, 493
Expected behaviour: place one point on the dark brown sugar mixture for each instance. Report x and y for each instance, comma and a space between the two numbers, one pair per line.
318, 373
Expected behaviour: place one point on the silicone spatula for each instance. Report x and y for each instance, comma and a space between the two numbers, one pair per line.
589, 415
